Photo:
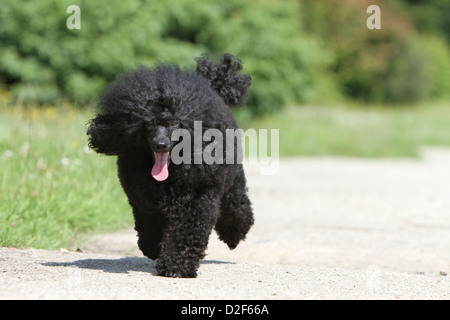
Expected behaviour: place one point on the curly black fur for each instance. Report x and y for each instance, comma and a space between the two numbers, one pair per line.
136, 117
224, 78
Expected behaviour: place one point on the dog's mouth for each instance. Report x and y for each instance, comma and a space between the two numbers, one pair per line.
160, 170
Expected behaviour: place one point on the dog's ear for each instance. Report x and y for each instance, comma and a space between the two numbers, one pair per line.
225, 79
111, 133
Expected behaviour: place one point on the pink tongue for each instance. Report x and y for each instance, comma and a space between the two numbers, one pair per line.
160, 171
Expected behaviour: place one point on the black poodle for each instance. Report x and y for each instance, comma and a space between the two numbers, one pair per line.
175, 213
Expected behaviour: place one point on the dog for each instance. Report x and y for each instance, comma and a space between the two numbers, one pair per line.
176, 205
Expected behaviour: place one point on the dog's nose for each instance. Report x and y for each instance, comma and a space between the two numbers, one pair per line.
161, 145
161, 140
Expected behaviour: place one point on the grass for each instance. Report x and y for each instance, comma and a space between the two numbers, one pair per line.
54, 191
361, 131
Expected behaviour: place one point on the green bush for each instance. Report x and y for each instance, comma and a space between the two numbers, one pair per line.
393, 64
408, 76
296, 50
420, 70
436, 52
43, 61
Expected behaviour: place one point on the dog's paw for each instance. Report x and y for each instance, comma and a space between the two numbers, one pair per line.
231, 238
174, 271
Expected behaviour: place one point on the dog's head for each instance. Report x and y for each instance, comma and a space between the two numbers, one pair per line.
139, 111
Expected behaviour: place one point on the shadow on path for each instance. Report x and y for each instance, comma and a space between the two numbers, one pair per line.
120, 265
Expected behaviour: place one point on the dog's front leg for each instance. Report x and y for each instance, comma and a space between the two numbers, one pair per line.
190, 222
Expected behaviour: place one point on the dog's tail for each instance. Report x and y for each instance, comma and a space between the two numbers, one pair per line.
225, 79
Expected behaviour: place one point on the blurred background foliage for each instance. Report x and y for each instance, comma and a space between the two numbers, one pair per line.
298, 51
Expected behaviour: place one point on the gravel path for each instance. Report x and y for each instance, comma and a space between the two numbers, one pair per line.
326, 228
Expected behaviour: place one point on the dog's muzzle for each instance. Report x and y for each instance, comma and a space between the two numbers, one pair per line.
160, 147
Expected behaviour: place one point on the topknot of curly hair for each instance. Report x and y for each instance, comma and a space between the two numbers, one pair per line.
225, 79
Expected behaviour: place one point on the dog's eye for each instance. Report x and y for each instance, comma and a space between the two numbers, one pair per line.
175, 123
